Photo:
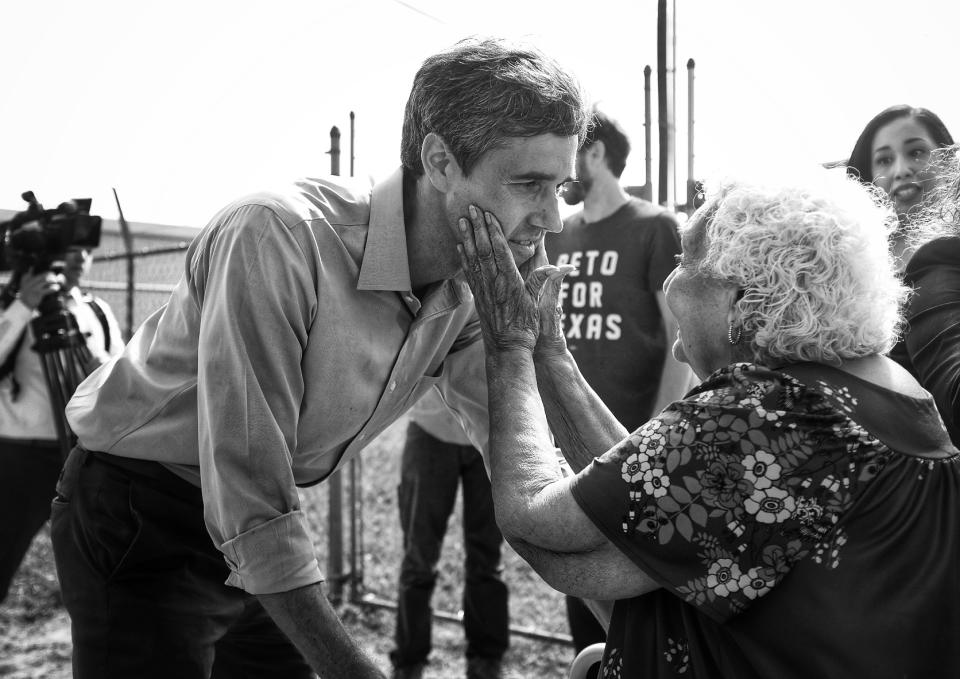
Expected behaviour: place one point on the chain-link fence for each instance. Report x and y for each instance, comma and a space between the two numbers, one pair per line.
158, 263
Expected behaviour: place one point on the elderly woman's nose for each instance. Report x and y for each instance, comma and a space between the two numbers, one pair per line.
666, 281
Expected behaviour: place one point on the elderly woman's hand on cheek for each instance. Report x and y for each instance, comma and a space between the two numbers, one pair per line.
509, 307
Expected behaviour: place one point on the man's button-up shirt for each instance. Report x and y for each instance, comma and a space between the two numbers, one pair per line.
291, 341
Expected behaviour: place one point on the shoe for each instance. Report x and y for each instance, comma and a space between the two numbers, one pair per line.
409, 672
484, 668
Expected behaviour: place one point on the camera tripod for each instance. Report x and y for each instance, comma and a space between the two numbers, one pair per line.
65, 357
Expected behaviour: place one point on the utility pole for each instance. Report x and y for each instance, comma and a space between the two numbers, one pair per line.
666, 99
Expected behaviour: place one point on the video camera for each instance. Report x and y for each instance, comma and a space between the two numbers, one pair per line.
35, 238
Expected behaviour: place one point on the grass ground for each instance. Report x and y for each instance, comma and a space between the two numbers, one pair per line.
34, 627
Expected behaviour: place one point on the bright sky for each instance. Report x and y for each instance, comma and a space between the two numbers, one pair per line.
183, 105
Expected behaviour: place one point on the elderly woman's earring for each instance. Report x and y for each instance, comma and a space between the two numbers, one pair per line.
734, 340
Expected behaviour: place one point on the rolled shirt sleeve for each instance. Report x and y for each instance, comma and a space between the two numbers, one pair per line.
257, 305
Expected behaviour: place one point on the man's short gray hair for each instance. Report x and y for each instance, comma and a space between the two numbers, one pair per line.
481, 92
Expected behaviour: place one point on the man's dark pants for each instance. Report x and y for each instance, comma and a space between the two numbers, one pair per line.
143, 582
431, 471
28, 476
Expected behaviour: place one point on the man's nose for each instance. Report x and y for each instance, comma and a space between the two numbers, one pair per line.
548, 218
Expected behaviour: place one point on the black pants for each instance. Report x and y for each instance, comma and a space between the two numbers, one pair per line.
144, 584
28, 477
431, 471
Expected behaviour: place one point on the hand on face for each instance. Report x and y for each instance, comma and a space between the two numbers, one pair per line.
510, 302
552, 341
35, 286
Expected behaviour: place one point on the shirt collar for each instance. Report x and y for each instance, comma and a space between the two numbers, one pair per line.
385, 264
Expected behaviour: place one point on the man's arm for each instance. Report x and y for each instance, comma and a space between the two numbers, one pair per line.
13, 322
310, 622
258, 297
676, 377
14, 319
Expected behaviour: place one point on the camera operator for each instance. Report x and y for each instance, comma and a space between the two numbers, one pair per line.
30, 456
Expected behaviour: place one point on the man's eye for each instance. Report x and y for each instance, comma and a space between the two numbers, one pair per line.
561, 189
527, 188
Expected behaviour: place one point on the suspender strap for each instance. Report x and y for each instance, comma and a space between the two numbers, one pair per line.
8, 364
102, 317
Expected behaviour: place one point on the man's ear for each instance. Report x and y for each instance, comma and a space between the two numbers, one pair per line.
596, 154
439, 165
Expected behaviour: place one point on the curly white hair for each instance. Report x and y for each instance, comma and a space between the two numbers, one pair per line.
811, 256
941, 214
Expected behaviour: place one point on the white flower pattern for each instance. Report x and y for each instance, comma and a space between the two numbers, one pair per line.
761, 469
770, 505
723, 577
655, 483
733, 489
634, 467
754, 583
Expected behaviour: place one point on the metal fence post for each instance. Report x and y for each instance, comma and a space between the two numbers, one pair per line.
334, 151
335, 539
356, 529
335, 484
131, 274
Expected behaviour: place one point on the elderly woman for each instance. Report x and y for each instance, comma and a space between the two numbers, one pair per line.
930, 348
795, 515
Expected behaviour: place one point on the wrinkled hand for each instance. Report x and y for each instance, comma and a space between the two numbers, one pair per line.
508, 305
552, 341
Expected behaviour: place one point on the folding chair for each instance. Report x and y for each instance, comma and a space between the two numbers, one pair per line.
585, 659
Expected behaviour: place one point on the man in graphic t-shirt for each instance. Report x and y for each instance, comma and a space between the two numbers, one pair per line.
616, 322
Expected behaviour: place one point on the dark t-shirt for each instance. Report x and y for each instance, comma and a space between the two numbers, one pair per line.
612, 322
800, 525
930, 348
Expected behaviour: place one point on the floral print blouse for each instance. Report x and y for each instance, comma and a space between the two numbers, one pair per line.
800, 524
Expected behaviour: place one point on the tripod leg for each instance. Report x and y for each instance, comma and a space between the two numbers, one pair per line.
75, 369
52, 371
